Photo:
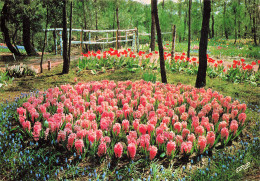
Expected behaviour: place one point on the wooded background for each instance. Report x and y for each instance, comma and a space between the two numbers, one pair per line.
229, 19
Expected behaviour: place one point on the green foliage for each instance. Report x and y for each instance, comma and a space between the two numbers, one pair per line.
5, 79
149, 76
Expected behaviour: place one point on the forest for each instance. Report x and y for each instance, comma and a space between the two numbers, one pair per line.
129, 90
234, 20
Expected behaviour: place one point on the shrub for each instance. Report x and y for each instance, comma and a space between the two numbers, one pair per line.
20, 70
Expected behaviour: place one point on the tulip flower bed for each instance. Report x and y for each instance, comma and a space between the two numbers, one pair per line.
132, 119
238, 71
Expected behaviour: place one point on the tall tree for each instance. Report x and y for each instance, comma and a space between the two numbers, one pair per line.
201, 75
118, 28
179, 15
71, 4
85, 24
212, 21
239, 20
189, 22
96, 13
159, 39
66, 62
163, 4
152, 45
5, 30
255, 7
185, 20
234, 8
27, 32
224, 20
45, 35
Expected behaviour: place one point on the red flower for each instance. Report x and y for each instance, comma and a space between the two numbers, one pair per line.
116, 128
199, 130
142, 128
242, 117
153, 152
253, 63
224, 133
234, 126
118, 149
79, 145
211, 138
171, 146
131, 148
102, 148
202, 143
194, 59
178, 126
186, 147
125, 125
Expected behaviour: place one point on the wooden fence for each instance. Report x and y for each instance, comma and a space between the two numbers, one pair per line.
131, 35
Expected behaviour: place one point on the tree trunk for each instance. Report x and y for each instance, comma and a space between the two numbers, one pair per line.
114, 23
152, 45
118, 28
159, 39
254, 21
85, 25
6, 31
179, 15
201, 75
13, 39
185, 22
163, 4
55, 40
173, 41
96, 13
235, 12
66, 63
71, 4
245, 32
27, 32
212, 22
239, 21
225, 28
45, 36
189, 23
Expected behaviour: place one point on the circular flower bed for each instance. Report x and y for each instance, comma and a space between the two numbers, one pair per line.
130, 118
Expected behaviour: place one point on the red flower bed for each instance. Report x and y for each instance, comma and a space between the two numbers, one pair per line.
132, 118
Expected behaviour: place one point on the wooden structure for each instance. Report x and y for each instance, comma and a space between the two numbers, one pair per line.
131, 35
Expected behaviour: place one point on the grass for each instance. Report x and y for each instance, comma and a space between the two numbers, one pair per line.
22, 158
6, 50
